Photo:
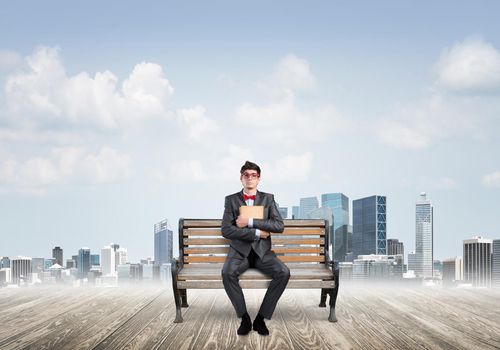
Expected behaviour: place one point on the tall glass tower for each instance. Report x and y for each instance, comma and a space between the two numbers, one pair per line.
163, 243
424, 236
369, 226
307, 205
83, 264
495, 263
340, 237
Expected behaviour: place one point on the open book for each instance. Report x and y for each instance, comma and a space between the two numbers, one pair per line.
253, 211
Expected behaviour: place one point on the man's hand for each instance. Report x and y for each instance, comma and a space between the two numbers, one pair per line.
241, 221
264, 234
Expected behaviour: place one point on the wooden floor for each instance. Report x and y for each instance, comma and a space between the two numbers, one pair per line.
133, 318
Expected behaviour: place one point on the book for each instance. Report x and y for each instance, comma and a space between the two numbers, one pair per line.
253, 211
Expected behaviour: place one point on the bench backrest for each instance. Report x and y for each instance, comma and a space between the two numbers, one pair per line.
303, 242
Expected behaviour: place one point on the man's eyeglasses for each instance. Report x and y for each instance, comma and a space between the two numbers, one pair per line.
251, 175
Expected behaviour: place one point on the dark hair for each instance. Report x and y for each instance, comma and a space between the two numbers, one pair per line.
250, 166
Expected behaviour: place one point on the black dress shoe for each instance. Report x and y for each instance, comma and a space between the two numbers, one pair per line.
260, 326
245, 326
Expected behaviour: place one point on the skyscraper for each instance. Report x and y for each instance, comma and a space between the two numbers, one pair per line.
283, 212
395, 247
323, 213
307, 205
495, 263
57, 253
341, 237
83, 263
20, 269
4, 262
107, 261
477, 261
424, 235
369, 226
295, 212
163, 243
94, 260
453, 270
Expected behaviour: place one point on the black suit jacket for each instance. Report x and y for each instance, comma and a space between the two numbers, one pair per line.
243, 239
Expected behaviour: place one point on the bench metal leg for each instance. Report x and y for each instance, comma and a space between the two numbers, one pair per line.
183, 293
322, 301
177, 294
333, 292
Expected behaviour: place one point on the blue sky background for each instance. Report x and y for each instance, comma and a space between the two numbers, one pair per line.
389, 98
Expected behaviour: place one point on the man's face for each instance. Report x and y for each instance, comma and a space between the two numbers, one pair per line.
250, 179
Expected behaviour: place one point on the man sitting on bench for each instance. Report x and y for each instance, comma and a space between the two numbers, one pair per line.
250, 246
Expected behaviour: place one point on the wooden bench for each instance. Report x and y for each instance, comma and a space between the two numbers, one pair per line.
303, 246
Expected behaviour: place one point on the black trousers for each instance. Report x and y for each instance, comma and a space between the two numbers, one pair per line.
270, 265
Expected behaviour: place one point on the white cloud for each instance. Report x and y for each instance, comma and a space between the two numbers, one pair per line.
294, 73
45, 94
188, 171
492, 179
230, 165
470, 65
290, 75
285, 123
198, 126
291, 168
437, 117
69, 165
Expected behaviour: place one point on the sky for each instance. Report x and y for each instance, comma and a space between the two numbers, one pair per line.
117, 115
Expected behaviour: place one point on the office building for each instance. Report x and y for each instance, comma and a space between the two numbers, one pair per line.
108, 261
495, 263
4, 262
395, 247
94, 260
369, 226
477, 261
163, 243
20, 270
307, 205
295, 212
341, 231
57, 253
83, 264
453, 270
283, 212
424, 236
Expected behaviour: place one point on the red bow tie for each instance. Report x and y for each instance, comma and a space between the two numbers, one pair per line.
245, 197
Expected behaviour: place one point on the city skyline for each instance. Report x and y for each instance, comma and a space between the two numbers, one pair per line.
109, 127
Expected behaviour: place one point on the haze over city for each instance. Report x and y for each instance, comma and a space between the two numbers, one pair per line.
109, 128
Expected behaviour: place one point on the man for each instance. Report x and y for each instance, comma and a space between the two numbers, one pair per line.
250, 246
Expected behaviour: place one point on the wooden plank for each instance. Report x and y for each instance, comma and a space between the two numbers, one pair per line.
284, 258
291, 231
257, 284
276, 240
302, 332
287, 222
252, 274
277, 250
78, 329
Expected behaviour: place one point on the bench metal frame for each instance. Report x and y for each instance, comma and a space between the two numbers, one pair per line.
180, 294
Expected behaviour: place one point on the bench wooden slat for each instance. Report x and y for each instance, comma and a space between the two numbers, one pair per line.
256, 284
208, 273
284, 258
217, 223
276, 240
292, 231
277, 250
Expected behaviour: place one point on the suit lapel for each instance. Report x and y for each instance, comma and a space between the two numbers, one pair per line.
240, 196
258, 198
